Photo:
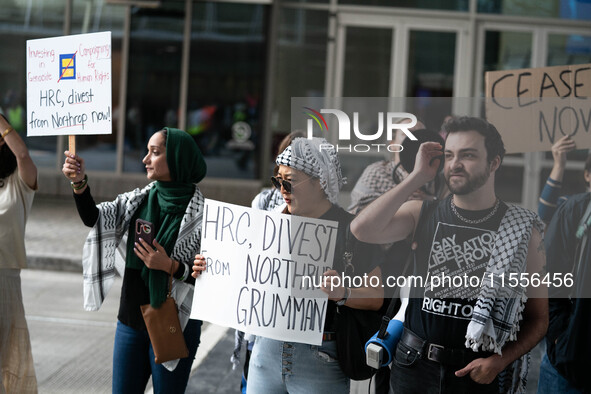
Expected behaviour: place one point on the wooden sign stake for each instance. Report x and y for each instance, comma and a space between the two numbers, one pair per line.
72, 144
72, 148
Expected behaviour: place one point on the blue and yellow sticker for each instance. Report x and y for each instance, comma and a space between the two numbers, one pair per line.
68, 66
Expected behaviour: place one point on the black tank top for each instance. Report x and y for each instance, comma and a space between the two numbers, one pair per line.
449, 247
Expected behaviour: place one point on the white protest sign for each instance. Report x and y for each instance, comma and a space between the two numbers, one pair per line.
69, 85
262, 269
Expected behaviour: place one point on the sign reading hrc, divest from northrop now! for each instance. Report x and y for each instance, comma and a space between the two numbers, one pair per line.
69, 85
257, 265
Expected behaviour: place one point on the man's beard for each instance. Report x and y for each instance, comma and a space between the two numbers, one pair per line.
472, 182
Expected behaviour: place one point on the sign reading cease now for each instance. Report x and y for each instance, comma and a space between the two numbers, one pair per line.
533, 108
261, 271
69, 85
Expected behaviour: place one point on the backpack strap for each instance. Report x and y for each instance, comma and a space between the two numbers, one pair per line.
350, 242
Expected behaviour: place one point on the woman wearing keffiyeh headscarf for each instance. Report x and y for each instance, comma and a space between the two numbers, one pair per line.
309, 179
173, 204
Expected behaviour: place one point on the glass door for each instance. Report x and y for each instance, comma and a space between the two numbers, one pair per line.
386, 56
420, 63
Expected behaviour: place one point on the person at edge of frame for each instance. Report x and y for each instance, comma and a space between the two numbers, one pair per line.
18, 184
563, 368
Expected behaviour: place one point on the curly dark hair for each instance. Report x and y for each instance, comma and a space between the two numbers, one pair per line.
492, 139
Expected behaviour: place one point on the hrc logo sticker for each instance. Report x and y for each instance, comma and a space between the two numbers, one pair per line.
67, 66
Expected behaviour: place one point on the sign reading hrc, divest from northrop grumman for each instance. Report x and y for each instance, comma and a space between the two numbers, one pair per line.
258, 268
69, 85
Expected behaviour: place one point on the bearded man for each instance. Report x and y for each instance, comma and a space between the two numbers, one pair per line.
465, 331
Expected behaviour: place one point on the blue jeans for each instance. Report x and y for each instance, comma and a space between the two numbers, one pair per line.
133, 362
295, 368
551, 381
411, 374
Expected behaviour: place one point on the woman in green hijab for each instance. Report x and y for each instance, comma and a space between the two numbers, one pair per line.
174, 205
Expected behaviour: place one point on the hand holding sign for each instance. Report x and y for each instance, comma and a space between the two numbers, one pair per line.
73, 168
559, 151
335, 293
263, 270
198, 266
561, 148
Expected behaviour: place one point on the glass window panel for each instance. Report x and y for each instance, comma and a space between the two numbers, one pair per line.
32, 20
226, 85
300, 61
566, 9
40, 18
96, 15
21, 21
89, 16
431, 61
304, 1
153, 77
506, 50
456, 5
566, 49
363, 78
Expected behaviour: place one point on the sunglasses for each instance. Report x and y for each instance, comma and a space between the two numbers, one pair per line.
279, 182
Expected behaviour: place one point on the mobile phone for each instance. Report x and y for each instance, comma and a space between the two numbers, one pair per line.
144, 230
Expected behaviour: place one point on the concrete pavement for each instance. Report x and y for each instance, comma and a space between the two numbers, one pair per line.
73, 349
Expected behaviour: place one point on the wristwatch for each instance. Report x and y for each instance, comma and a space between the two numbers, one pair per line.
343, 300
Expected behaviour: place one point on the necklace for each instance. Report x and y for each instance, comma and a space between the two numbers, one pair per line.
475, 221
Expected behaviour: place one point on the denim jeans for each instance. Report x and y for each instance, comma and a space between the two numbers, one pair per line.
411, 374
133, 362
551, 381
295, 368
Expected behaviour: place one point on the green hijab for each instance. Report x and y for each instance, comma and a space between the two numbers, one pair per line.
166, 205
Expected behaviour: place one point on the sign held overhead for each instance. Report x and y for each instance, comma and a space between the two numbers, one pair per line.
534, 107
69, 85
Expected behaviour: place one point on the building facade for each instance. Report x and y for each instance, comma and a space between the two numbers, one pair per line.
226, 72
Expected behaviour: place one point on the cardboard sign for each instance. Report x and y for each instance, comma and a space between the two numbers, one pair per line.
260, 270
533, 108
69, 85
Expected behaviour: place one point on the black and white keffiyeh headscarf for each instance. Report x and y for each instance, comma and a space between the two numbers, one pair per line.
499, 309
317, 158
